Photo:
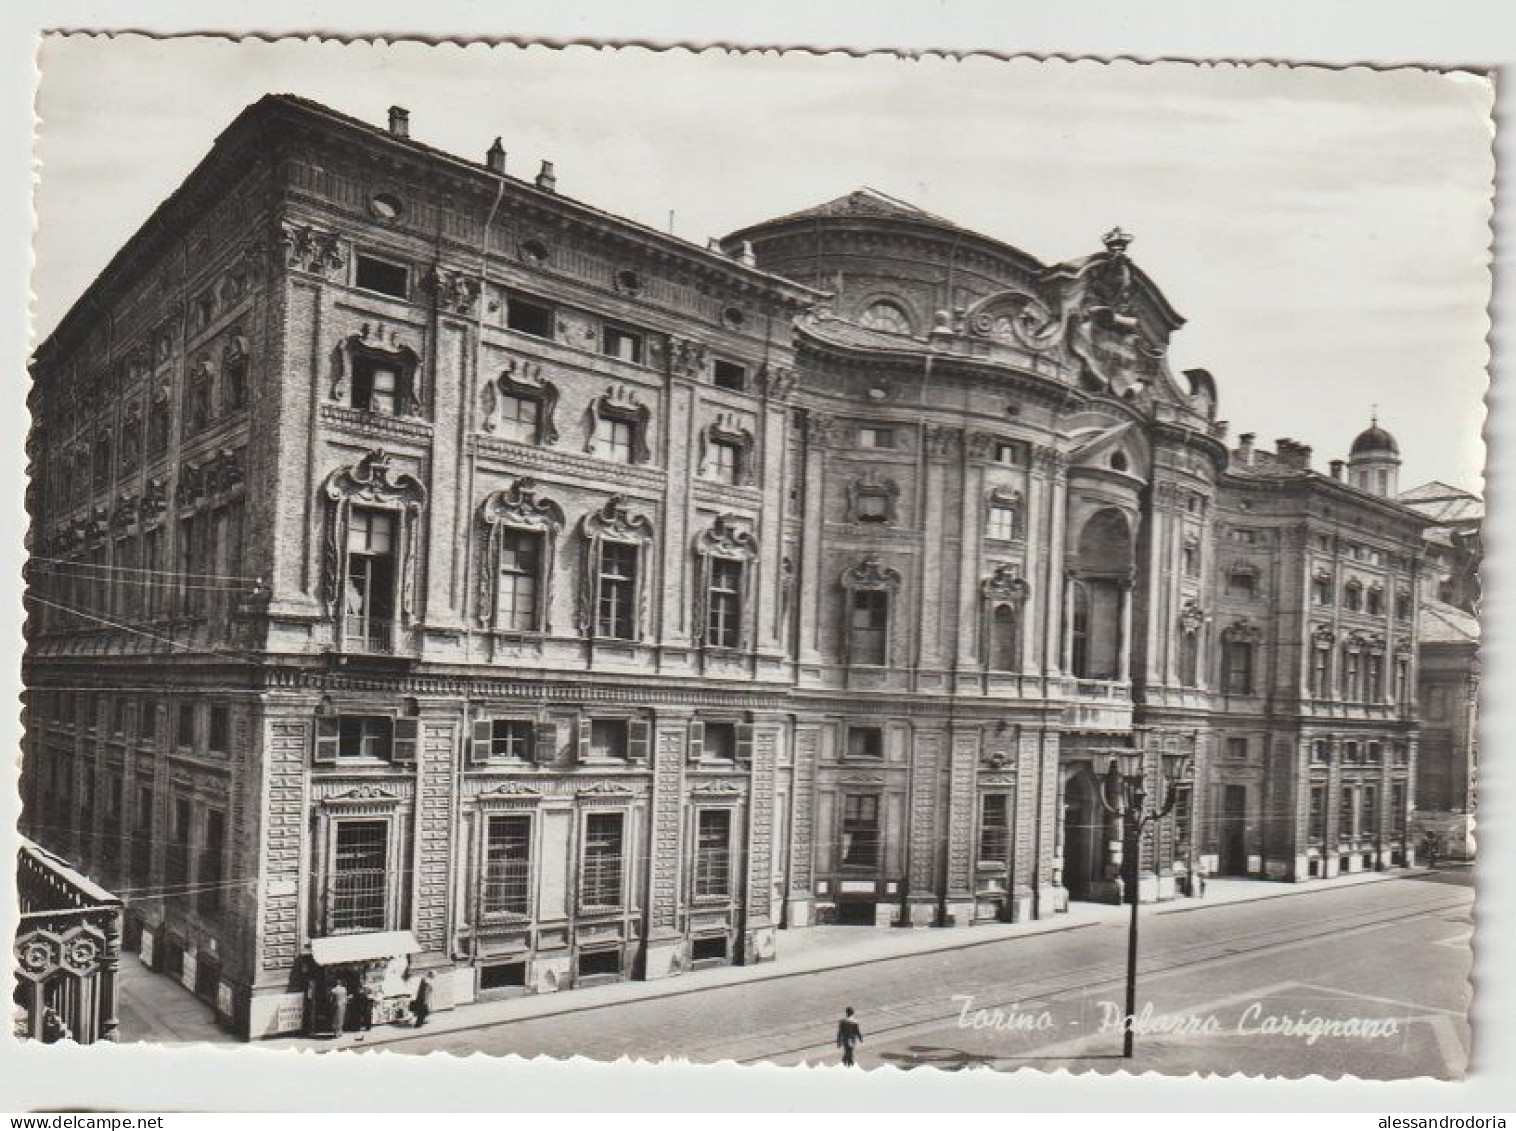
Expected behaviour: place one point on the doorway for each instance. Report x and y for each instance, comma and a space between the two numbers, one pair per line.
1234, 830
1084, 821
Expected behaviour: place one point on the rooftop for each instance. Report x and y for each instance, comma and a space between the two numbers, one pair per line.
1441, 623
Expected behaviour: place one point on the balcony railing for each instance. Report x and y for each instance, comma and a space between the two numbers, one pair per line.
368, 634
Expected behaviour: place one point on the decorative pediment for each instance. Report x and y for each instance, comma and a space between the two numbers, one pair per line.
943, 441
1404, 647
727, 428
876, 485
383, 345
726, 538
871, 573
310, 249
616, 521
518, 505
716, 789
686, 357
1191, 618
1015, 318
1242, 631
511, 789
367, 793
777, 382
605, 789
1005, 586
861, 779
1323, 635
375, 479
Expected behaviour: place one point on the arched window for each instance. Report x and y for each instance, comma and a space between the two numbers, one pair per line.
887, 317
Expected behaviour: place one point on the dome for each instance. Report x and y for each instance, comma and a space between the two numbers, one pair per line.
1374, 441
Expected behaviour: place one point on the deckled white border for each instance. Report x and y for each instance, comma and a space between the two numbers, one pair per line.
1478, 33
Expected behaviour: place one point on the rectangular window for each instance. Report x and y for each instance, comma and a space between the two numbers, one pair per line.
1373, 677
118, 716
1375, 602
366, 737
1237, 748
1191, 556
865, 742
508, 865
1002, 522
1403, 606
873, 507
369, 593
114, 788
375, 387
1347, 814
616, 615
185, 734
359, 877
220, 736
147, 720
713, 853
626, 345
1397, 808
720, 742
725, 461
868, 626
724, 614
1237, 667
511, 738
520, 570
1321, 670
519, 417
1370, 811
1183, 816
142, 838
600, 877
1317, 827
1007, 453
994, 828
1321, 590
382, 277
729, 375
860, 831
608, 739
876, 437
617, 440
527, 317
211, 875
1242, 583
1351, 686
177, 861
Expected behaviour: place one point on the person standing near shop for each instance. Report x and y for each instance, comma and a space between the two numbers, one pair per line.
336, 1004
421, 1004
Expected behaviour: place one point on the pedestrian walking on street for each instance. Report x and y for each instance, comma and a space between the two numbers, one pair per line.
421, 1004
848, 1035
336, 1004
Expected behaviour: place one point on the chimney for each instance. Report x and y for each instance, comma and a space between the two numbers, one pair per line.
400, 121
746, 256
1245, 448
1336, 466
1292, 453
547, 180
495, 158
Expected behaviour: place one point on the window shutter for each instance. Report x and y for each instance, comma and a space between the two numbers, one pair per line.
406, 735
328, 736
582, 751
638, 740
697, 741
544, 741
479, 748
745, 743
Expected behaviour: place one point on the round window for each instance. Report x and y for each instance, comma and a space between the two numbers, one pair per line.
386, 206
628, 282
733, 317
534, 252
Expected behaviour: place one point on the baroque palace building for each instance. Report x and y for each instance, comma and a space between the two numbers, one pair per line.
431, 572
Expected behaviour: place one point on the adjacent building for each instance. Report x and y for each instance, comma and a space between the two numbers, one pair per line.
433, 573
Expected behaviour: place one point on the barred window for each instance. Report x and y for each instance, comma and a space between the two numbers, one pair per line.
507, 865
994, 828
359, 880
1317, 827
713, 853
176, 874
212, 871
600, 876
1347, 814
142, 838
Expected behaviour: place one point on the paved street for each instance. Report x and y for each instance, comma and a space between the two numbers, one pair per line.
1368, 980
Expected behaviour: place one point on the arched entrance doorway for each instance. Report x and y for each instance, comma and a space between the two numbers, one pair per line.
1084, 835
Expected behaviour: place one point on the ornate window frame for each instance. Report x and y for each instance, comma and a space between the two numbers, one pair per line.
373, 344
1242, 631
510, 799
870, 575
159, 421
620, 403
728, 540
896, 306
614, 522
234, 372
874, 485
371, 482
365, 802
1352, 595
517, 507
1243, 568
727, 429
523, 379
1004, 588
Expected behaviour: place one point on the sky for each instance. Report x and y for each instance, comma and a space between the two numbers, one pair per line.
1325, 232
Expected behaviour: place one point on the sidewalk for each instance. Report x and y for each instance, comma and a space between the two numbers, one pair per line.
814, 950
156, 1009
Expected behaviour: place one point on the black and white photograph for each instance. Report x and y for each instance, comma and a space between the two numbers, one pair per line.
874, 561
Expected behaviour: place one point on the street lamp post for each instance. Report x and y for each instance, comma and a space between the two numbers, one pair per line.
1124, 794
